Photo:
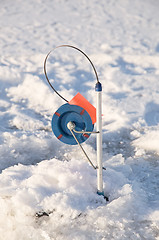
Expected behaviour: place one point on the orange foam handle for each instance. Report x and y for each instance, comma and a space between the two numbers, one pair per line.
81, 101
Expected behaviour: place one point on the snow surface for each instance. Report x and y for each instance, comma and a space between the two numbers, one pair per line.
38, 172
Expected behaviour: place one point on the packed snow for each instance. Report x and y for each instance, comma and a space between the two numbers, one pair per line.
47, 188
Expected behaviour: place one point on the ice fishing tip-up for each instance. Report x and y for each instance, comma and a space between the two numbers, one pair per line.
73, 122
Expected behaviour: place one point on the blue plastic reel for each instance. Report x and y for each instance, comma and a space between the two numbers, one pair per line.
78, 116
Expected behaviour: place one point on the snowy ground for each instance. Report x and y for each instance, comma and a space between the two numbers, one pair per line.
38, 172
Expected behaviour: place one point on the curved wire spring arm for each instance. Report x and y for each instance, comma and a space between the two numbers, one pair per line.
70, 46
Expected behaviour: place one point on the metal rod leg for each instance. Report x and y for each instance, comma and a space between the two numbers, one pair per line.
71, 126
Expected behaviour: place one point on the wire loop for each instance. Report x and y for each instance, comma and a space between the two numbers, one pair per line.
77, 50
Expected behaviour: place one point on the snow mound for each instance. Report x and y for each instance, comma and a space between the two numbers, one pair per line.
58, 191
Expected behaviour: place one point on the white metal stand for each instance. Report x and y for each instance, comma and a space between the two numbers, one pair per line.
98, 89
71, 126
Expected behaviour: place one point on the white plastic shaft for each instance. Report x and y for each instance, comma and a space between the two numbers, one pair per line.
99, 144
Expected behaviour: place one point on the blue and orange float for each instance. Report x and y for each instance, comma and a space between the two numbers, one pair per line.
83, 120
